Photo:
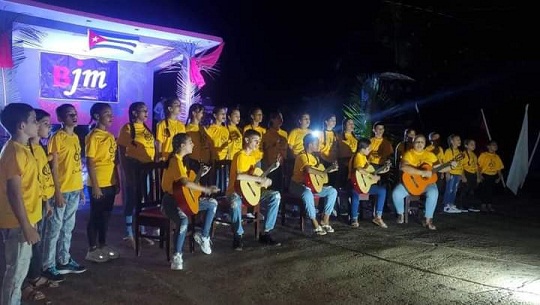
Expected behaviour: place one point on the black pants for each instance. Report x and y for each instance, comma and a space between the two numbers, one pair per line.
36, 262
487, 188
467, 195
100, 213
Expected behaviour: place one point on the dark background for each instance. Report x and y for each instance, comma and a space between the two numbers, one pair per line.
463, 55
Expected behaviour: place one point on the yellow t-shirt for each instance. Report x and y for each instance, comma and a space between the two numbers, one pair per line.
219, 135
17, 160
302, 160
174, 172
439, 154
143, 147
328, 145
68, 149
258, 155
358, 161
201, 143
347, 145
101, 147
241, 163
415, 159
44, 172
449, 154
236, 141
274, 142
470, 162
165, 138
490, 163
374, 156
296, 140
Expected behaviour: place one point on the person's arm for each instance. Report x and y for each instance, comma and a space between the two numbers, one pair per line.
409, 169
15, 200
96, 190
58, 198
197, 187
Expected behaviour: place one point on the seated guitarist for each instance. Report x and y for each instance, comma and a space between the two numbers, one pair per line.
306, 163
359, 163
412, 159
176, 171
244, 161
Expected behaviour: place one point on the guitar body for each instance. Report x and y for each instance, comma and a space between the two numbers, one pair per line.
186, 198
251, 190
416, 184
316, 182
362, 183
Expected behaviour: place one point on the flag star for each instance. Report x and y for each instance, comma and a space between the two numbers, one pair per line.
95, 39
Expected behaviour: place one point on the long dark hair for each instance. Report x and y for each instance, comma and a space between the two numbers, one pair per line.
274, 115
326, 118
196, 107
95, 110
134, 107
343, 124
230, 112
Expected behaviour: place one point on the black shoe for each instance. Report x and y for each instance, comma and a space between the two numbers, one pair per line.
237, 243
70, 267
53, 275
268, 240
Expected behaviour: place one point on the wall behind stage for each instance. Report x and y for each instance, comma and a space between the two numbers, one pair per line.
135, 83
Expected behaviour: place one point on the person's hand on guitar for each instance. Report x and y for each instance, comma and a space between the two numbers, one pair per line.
211, 190
426, 174
332, 168
205, 169
265, 182
376, 178
386, 166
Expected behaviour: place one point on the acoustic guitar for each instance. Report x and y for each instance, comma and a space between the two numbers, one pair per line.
316, 181
416, 184
186, 198
251, 190
363, 182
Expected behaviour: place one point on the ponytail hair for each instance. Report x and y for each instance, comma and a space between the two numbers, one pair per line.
195, 107
230, 112
134, 107
274, 115
95, 110
343, 124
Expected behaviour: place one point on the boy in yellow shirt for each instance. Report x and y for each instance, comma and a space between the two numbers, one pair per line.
296, 136
65, 149
20, 197
243, 162
490, 165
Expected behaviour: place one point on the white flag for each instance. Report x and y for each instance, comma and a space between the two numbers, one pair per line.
520, 163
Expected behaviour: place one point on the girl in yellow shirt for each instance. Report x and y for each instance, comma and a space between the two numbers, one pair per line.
296, 136
196, 131
328, 143
471, 176
219, 134
235, 135
256, 117
454, 176
490, 165
167, 128
274, 143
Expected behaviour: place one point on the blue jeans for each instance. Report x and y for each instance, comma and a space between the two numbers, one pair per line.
379, 191
58, 232
451, 190
18, 254
171, 209
270, 198
36, 263
303, 192
400, 192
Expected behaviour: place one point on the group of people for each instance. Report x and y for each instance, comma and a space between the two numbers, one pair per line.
41, 186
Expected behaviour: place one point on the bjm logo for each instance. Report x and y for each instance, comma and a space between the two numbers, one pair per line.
62, 77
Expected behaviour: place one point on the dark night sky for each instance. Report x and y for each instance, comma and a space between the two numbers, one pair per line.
477, 54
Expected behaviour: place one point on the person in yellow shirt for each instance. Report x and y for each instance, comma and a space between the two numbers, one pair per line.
359, 163
20, 197
328, 150
307, 163
347, 142
137, 152
381, 149
168, 127
454, 176
410, 163
235, 135
256, 117
296, 136
490, 165
102, 184
407, 143
176, 172
219, 134
436, 148
471, 176
202, 152
65, 148
241, 166
274, 143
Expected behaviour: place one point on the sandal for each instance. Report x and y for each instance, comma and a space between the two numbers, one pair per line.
30, 294
378, 221
429, 225
355, 224
43, 282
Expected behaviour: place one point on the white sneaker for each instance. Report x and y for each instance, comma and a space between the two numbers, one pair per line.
204, 243
328, 228
319, 231
451, 210
250, 215
177, 262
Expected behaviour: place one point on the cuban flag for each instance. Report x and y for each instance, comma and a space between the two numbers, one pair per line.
108, 40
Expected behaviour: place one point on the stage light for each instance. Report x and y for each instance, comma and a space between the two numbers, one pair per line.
316, 133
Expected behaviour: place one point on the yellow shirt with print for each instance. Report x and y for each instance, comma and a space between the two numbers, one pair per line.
490, 163
201, 143
258, 154
415, 159
235, 145
219, 135
142, 147
174, 172
17, 160
347, 145
470, 162
450, 154
439, 153
241, 164
296, 140
44, 172
358, 161
174, 127
274, 143
101, 147
302, 160
68, 149
328, 145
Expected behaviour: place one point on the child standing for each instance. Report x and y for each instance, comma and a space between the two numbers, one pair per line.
20, 201
100, 148
471, 176
65, 149
454, 176
490, 169
167, 128
235, 144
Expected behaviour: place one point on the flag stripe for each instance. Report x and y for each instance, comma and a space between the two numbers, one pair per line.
115, 35
121, 42
110, 46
